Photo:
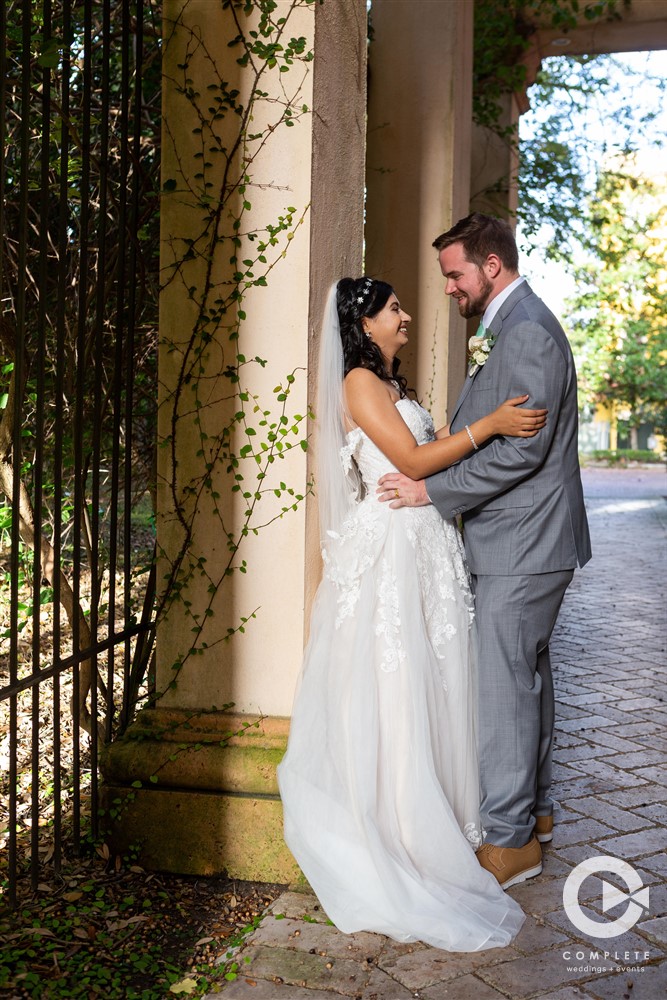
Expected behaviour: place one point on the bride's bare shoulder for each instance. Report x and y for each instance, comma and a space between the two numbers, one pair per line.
361, 382
361, 377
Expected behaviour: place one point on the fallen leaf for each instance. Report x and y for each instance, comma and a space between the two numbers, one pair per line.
185, 986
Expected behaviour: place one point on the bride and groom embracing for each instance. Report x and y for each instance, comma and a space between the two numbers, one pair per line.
416, 781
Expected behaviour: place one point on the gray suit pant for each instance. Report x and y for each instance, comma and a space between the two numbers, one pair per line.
515, 619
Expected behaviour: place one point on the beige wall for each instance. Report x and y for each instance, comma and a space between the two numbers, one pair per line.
316, 167
337, 205
418, 175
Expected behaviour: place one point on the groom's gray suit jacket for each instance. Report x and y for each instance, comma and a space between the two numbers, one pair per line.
521, 498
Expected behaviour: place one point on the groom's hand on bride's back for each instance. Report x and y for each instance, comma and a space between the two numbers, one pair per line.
399, 491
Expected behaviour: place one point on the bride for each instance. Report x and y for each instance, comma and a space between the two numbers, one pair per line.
380, 782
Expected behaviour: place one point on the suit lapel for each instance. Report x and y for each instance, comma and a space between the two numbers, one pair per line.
467, 386
495, 328
508, 305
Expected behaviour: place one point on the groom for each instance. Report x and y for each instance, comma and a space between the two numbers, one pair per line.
525, 530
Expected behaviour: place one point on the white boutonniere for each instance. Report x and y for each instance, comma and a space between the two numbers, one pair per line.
479, 348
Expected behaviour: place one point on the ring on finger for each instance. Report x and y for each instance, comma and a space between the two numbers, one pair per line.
397, 494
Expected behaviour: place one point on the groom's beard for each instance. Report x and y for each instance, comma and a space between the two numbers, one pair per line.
474, 306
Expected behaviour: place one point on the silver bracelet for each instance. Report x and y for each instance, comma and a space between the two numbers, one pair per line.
472, 440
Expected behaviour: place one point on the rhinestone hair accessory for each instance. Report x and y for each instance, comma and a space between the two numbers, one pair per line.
363, 292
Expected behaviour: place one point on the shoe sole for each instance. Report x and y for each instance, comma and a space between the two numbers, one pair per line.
544, 838
522, 876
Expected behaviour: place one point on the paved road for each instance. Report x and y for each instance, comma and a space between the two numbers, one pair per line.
649, 481
611, 785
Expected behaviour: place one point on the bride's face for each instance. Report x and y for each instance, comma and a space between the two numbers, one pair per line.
388, 328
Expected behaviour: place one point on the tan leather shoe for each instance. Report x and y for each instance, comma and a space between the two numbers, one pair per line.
544, 828
511, 865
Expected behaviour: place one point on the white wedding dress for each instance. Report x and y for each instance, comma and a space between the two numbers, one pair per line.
380, 782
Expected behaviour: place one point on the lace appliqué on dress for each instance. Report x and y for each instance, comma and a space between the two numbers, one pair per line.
389, 624
348, 450
473, 834
442, 579
348, 555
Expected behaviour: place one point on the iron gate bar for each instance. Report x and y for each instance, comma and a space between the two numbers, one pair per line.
81, 385
81, 224
59, 418
119, 322
11, 846
83, 104
96, 577
61, 371
38, 461
18, 374
135, 148
66, 662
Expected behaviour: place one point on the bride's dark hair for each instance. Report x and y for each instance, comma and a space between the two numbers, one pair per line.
356, 298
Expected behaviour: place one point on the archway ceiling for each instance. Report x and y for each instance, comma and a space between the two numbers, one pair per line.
641, 26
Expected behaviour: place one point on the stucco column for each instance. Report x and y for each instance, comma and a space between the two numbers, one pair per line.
418, 174
495, 165
230, 645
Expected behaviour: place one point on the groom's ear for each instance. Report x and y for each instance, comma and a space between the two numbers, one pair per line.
492, 265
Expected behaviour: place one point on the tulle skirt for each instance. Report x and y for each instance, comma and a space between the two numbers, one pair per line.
380, 781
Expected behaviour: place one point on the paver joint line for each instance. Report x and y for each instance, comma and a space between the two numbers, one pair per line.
608, 656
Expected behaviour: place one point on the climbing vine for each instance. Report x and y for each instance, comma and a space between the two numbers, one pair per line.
210, 401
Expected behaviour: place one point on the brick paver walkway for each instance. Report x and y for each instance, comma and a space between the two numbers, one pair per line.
611, 785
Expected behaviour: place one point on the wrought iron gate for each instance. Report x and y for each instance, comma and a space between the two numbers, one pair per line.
79, 133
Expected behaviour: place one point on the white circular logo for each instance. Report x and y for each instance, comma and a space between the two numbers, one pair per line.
637, 896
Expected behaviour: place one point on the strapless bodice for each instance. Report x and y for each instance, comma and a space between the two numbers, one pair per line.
367, 456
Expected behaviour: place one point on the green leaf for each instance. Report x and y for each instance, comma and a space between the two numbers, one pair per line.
50, 54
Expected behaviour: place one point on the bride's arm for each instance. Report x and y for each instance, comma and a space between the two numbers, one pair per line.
442, 432
372, 409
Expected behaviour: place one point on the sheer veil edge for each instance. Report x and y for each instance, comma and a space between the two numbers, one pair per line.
335, 489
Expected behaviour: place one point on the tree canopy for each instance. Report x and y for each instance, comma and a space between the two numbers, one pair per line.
585, 115
620, 308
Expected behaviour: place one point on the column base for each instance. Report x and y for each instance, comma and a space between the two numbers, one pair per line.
196, 793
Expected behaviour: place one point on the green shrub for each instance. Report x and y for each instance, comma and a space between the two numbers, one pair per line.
621, 456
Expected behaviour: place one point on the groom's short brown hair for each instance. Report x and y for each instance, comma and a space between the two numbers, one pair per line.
481, 235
